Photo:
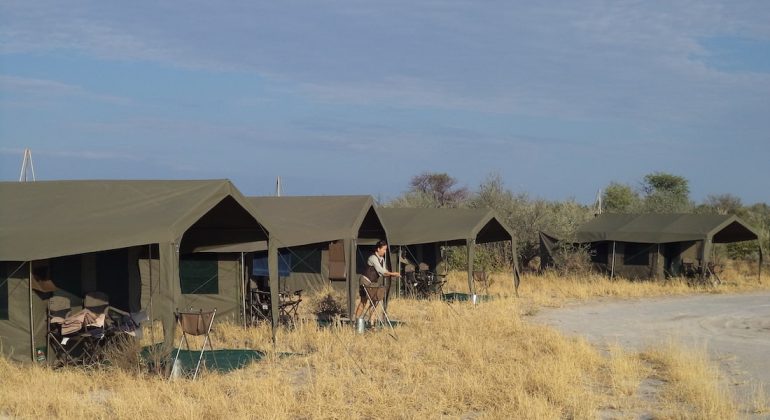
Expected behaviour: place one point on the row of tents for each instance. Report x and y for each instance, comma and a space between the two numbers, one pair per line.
156, 246
654, 246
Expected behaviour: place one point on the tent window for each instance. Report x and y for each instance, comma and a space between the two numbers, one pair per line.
199, 274
66, 274
306, 260
261, 269
636, 254
112, 276
600, 252
3, 291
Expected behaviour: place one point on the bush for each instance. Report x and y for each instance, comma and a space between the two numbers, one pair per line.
571, 259
328, 308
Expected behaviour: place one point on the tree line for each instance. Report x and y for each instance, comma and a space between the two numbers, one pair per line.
658, 192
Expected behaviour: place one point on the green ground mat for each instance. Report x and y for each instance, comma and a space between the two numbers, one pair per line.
223, 360
220, 360
464, 297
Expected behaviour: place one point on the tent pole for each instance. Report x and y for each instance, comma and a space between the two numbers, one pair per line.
352, 279
243, 289
272, 269
149, 303
515, 264
31, 320
612, 266
399, 270
470, 243
704, 255
759, 272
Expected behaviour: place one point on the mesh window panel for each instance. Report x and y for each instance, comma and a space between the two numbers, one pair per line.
112, 276
66, 273
199, 274
636, 254
306, 260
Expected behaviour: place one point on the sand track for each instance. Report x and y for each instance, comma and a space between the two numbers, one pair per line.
735, 329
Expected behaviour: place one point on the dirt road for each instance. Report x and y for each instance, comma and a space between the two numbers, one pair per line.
735, 329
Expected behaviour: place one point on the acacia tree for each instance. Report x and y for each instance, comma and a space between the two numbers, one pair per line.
620, 198
666, 193
441, 188
723, 204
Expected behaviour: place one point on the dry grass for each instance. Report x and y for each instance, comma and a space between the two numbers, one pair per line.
552, 290
447, 360
692, 387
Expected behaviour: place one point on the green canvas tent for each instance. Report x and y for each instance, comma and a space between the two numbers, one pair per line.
123, 237
424, 230
320, 239
654, 245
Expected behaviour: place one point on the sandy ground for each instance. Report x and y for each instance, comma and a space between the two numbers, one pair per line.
735, 329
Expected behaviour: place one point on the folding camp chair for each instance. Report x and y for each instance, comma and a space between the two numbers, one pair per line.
410, 281
259, 304
195, 323
288, 307
375, 295
77, 338
59, 308
95, 326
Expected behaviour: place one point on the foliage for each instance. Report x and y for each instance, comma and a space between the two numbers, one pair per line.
569, 259
328, 307
722, 204
527, 216
666, 193
441, 188
659, 192
620, 198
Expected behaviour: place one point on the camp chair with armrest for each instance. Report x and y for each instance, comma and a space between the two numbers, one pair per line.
410, 281
96, 305
259, 304
427, 283
195, 323
58, 309
288, 307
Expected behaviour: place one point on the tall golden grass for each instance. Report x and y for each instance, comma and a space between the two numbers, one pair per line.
447, 360
691, 382
552, 290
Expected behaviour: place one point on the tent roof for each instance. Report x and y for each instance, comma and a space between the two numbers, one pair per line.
411, 226
47, 219
663, 228
304, 220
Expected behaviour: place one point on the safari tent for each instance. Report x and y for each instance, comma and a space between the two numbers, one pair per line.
323, 240
130, 239
654, 245
418, 233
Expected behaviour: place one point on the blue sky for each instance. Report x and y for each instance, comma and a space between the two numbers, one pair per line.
342, 97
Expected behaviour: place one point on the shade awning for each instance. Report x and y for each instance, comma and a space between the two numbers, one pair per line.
411, 226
